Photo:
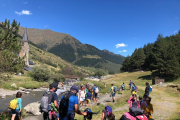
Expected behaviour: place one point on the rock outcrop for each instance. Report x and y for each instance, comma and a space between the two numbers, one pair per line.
33, 108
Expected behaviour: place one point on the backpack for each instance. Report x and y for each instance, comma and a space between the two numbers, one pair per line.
136, 88
128, 116
64, 105
123, 86
115, 89
46, 102
134, 111
13, 104
150, 89
107, 111
96, 90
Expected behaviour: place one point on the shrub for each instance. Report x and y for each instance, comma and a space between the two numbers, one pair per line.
41, 73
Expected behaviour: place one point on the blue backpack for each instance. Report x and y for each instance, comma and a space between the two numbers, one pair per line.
115, 89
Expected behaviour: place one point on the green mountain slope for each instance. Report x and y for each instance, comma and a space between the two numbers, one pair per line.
70, 49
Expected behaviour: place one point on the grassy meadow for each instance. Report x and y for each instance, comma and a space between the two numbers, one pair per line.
162, 97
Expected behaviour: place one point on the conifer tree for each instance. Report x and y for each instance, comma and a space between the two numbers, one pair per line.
10, 47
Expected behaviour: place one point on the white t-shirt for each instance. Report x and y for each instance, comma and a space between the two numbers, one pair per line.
82, 93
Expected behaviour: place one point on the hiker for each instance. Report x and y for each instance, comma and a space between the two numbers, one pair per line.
147, 89
133, 101
130, 84
133, 88
107, 113
53, 99
113, 92
18, 108
143, 101
88, 97
95, 93
69, 105
81, 95
148, 107
123, 88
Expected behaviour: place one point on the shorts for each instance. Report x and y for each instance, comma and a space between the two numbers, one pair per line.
94, 95
57, 114
88, 101
15, 111
113, 94
81, 99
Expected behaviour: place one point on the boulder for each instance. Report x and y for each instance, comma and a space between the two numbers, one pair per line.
33, 108
27, 92
91, 84
14, 85
21, 88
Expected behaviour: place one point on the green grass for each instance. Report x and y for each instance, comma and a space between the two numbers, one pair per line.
22, 81
139, 78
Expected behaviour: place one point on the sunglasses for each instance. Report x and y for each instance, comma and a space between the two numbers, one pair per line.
133, 95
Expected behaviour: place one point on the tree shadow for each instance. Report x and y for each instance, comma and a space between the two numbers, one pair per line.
145, 77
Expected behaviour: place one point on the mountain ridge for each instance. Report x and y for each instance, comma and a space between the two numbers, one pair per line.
69, 48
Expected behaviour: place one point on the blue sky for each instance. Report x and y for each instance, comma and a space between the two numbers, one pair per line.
119, 26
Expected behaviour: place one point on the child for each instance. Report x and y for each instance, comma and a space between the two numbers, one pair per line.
107, 113
88, 97
133, 101
18, 108
148, 107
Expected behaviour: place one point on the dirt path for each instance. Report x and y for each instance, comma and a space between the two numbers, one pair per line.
164, 105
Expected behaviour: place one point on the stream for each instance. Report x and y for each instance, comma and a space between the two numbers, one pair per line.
33, 96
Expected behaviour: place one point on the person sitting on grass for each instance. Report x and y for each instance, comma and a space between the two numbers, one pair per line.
107, 114
88, 97
133, 101
148, 108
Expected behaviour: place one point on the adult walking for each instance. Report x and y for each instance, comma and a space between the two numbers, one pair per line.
53, 98
147, 89
69, 105
95, 93
130, 84
113, 92
18, 109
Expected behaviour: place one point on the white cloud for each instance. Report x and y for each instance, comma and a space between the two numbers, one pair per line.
39, 7
134, 38
25, 2
175, 31
123, 51
176, 17
24, 12
3, 5
46, 26
120, 45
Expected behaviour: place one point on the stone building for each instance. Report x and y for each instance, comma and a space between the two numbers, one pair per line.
25, 48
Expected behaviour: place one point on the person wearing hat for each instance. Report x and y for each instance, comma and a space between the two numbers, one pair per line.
52, 89
73, 106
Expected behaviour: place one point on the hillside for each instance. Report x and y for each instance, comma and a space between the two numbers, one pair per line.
55, 63
72, 50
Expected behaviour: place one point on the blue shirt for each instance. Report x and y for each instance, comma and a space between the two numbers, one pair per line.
89, 95
73, 100
94, 88
133, 87
19, 103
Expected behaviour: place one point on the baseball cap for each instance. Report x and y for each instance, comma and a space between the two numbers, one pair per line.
74, 88
55, 85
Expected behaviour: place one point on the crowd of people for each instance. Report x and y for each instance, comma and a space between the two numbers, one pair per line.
68, 105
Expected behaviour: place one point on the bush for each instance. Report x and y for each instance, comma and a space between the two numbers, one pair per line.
58, 78
41, 73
